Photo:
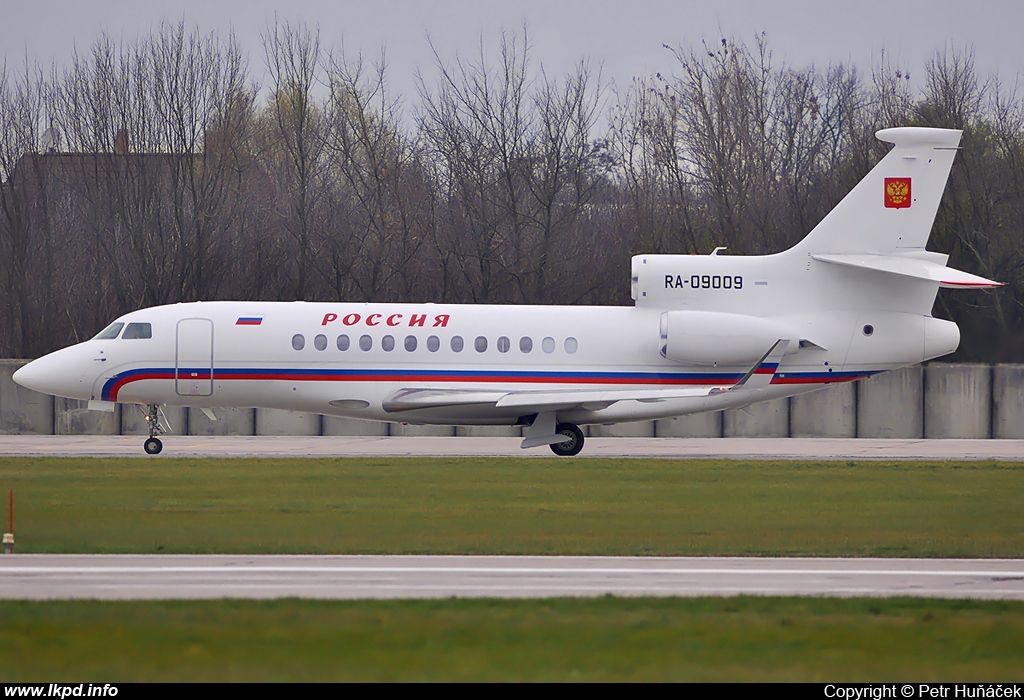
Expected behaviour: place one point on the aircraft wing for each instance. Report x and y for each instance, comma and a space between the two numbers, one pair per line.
758, 377
412, 399
595, 400
535, 401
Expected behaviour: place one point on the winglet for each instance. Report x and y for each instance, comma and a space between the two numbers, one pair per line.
761, 374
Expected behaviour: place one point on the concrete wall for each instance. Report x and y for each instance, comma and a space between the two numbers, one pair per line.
1008, 402
488, 431
22, 411
638, 429
760, 420
830, 412
938, 400
957, 401
273, 421
174, 420
410, 430
333, 425
71, 417
891, 404
698, 425
228, 421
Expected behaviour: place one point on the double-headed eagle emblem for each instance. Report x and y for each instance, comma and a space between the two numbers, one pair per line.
897, 192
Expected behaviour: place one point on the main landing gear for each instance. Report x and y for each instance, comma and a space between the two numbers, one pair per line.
153, 446
573, 445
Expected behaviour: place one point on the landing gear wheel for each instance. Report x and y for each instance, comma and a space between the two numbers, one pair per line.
570, 447
153, 444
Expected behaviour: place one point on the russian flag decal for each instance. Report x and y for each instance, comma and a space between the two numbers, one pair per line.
249, 321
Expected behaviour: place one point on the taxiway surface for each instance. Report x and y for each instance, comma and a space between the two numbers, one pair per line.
92, 576
663, 448
39, 576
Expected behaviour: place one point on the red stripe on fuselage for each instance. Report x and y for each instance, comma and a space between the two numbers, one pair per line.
232, 375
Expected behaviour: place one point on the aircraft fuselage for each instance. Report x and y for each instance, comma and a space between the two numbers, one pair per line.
348, 359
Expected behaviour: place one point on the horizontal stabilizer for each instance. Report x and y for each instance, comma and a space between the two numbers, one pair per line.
916, 268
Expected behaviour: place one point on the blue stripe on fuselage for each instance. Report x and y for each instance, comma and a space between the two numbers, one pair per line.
113, 385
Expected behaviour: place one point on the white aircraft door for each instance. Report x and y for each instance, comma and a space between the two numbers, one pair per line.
193, 357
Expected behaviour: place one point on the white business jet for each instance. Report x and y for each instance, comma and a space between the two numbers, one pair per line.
706, 333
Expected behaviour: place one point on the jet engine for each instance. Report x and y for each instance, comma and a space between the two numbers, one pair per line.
719, 339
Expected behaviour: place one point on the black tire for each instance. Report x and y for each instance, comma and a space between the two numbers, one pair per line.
153, 446
572, 447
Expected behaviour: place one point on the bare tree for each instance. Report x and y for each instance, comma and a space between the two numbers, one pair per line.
514, 151
204, 108
297, 126
170, 181
384, 204
104, 107
27, 243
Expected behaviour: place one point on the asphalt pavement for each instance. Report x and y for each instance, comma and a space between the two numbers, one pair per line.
127, 576
621, 447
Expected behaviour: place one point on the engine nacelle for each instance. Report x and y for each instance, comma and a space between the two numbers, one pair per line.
723, 339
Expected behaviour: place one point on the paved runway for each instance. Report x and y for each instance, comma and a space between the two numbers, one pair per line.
664, 448
58, 576
38, 576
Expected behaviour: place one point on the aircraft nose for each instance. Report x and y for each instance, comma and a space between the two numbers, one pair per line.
59, 373
29, 376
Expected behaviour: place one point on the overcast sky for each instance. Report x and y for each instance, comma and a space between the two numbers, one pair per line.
624, 38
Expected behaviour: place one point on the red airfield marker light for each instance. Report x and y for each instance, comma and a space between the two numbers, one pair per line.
9, 536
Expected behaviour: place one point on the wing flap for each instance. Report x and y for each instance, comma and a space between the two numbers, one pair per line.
413, 399
595, 399
533, 401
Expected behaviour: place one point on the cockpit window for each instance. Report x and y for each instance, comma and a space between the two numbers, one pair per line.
110, 332
135, 331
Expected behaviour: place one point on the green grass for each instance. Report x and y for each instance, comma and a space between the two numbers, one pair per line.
510, 506
735, 639
535, 506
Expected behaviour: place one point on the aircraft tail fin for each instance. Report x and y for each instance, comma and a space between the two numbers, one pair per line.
893, 208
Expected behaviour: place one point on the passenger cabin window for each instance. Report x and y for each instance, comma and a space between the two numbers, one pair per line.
571, 345
110, 332
387, 343
480, 343
320, 342
298, 341
433, 343
504, 344
457, 343
410, 343
343, 342
137, 331
526, 344
548, 345
365, 342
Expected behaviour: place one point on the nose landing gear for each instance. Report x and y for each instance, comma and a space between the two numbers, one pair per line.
153, 445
